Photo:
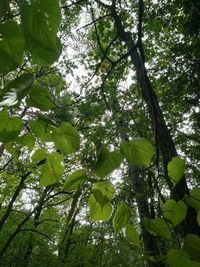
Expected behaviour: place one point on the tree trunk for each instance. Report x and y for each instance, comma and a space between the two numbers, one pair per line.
64, 245
150, 244
163, 137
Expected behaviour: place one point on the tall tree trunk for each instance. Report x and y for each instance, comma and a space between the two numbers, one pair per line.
163, 137
137, 180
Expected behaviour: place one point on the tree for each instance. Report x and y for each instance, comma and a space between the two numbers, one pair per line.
89, 133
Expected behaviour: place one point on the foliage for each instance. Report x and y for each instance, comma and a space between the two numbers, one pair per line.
97, 99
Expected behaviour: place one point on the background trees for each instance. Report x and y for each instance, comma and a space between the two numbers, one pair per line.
99, 122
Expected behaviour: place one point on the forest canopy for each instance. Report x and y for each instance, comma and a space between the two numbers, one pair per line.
99, 133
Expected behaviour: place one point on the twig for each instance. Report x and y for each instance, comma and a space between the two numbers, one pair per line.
96, 20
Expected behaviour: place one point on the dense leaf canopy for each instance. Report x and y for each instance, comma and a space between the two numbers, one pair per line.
99, 133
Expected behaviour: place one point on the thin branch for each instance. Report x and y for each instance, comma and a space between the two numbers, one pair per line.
106, 77
10, 239
193, 138
94, 21
48, 220
98, 38
16, 193
35, 231
6, 164
57, 194
102, 60
140, 34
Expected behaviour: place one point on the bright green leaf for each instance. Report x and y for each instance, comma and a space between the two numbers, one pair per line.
193, 199
15, 146
74, 180
178, 258
157, 227
139, 152
10, 128
40, 97
121, 217
176, 169
98, 212
66, 138
174, 211
53, 170
27, 140
16, 90
42, 128
103, 192
192, 246
40, 22
39, 155
132, 235
11, 46
107, 162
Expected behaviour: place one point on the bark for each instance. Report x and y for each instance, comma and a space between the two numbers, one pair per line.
150, 245
137, 179
163, 137
64, 245
18, 228
15, 195
38, 211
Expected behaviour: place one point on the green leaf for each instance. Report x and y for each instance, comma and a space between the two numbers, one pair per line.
39, 155
178, 258
139, 152
192, 246
16, 90
53, 170
27, 140
4, 7
103, 192
107, 162
98, 212
66, 138
42, 128
174, 211
198, 217
40, 22
11, 46
121, 217
40, 97
193, 199
176, 169
10, 128
157, 227
74, 180
132, 235
13, 148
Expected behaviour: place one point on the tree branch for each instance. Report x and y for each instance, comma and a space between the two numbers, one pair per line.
140, 34
35, 231
94, 21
